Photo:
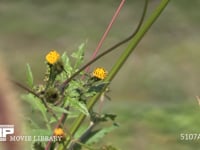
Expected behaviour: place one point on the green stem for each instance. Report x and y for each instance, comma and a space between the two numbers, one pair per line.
131, 46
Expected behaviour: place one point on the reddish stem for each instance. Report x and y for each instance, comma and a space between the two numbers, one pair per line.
106, 33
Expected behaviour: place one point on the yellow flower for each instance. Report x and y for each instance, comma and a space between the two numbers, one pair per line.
100, 73
59, 132
52, 57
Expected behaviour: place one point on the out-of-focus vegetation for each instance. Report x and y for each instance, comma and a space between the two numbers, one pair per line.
153, 95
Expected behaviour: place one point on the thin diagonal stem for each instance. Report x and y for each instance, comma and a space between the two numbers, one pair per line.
106, 32
30, 91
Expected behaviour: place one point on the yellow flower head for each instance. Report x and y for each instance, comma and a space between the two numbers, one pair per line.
52, 57
100, 73
59, 132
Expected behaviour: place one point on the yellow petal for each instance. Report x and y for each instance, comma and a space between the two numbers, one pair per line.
52, 57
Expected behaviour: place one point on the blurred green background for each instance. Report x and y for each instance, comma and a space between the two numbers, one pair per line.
153, 94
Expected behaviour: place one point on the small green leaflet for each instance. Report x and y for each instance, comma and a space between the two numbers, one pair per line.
67, 65
100, 134
36, 104
32, 123
78, 105
60, 109
78, 55
29, 76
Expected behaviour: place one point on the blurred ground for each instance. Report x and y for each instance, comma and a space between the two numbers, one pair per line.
153, 95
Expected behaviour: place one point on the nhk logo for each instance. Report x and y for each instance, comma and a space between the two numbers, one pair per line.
5, 130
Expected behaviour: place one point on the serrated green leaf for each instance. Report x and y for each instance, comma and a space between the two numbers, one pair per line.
67, 65
80, 131
99, 134
33, 101
32, 123
60, 110
52, 120
29, 76
90, 94
79, 56
36, 104
78, 105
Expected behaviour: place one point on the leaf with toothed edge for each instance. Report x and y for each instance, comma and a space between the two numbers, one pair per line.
97, 135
